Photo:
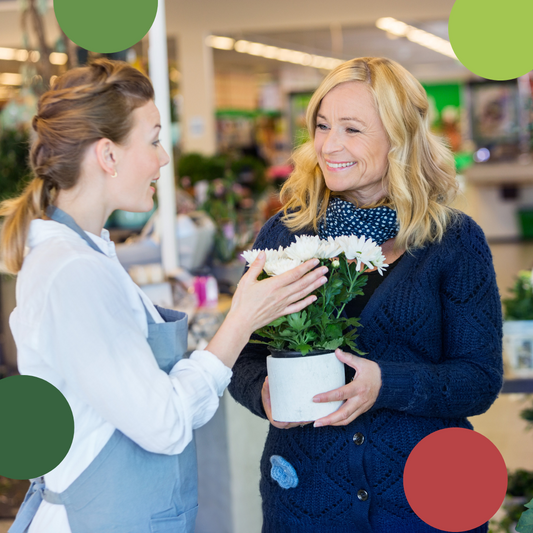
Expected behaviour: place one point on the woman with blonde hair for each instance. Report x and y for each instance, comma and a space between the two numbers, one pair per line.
84, 326
431, 325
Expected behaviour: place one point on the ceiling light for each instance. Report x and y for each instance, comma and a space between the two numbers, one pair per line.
8, 54
242, 46
58, 58
416, 35
10, 78
16, 54
222, 43
256, 49
273, 52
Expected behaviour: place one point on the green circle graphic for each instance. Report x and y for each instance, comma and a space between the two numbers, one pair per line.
492, 38
37, 427
105, 26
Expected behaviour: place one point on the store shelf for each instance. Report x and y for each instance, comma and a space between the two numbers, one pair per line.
524, 386
500, 174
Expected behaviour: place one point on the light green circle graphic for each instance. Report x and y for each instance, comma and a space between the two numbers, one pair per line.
105, 26
37, 427
492, 38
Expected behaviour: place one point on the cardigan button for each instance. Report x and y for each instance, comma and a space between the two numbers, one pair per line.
359, 438
362, 495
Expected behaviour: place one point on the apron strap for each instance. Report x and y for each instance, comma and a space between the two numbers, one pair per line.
36, 494
58, 215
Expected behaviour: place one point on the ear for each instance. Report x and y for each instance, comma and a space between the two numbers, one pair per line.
106, 155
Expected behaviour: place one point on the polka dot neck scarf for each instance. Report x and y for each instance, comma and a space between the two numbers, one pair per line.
344, 218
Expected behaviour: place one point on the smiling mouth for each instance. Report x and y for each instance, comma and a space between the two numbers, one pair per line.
340, 165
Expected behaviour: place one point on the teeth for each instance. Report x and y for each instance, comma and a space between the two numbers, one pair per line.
339, 165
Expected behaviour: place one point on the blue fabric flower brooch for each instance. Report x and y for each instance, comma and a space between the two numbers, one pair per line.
283, 472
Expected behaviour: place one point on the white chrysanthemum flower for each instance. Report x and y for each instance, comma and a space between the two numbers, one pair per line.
306, 247
364, 251
250, 255
271, 255
350, 245
330, 248
370, 254
280, 266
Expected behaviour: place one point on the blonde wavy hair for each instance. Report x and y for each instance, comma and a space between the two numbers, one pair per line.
420, 177
84, 105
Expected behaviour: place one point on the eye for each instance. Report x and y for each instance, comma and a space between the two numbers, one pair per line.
322, 127
352, 130
155, 143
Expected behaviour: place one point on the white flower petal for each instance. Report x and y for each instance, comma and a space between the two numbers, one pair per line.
306, 247
329, 248
250, 255
280, 266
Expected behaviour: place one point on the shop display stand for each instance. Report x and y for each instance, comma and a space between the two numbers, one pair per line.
518, 386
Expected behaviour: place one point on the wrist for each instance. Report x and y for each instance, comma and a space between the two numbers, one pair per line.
229, 340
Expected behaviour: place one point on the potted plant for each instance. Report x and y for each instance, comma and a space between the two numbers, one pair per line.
302, 345
518, 326
519, 493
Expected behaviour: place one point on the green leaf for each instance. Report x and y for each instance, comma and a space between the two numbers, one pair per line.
353, 321
278, 322
525, 524
297, 320
333, 344
303, 348
333, 331
287, 332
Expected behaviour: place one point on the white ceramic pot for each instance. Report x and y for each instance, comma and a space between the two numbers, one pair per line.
518, 346
294, 381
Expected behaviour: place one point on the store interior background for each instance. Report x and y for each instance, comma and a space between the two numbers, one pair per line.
226, 100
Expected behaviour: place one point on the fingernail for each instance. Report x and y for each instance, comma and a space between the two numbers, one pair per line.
325, 270
317, 425
261, 254
316, 399
315, 262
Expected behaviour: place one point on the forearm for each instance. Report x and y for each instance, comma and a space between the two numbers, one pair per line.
453, 389
230, 339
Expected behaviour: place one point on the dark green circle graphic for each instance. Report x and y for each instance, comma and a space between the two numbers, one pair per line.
105, 26
37, 427
492, 38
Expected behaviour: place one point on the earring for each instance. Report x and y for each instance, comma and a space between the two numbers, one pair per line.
115, 174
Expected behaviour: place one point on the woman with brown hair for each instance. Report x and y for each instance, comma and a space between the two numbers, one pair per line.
431, 325
84, 326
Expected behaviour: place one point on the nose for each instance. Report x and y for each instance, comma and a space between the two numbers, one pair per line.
163, 158
332, 142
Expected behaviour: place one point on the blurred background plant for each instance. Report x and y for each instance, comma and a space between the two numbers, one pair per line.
223, 196
520, 305
227, 188
519, 492
14, 166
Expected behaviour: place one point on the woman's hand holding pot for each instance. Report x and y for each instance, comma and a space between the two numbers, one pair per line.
359, 395
267, 406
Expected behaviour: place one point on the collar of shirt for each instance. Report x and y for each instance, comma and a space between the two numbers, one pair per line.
42, 230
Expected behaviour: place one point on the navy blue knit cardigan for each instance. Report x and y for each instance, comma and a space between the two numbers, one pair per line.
434, 326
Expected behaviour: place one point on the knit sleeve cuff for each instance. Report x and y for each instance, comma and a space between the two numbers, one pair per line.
397, 386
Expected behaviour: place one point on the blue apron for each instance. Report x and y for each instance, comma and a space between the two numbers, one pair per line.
127, 489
